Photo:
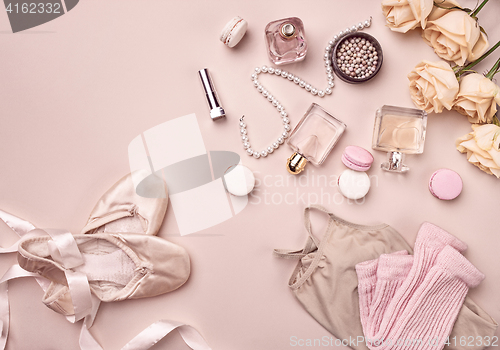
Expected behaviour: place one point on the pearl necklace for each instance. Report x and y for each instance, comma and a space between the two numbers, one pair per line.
298, 81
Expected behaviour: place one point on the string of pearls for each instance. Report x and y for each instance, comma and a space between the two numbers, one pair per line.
298, 81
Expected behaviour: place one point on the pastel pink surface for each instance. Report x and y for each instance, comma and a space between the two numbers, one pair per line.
357, 158
445, 184
75, 92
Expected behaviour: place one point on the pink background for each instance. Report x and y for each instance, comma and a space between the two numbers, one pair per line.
75, 91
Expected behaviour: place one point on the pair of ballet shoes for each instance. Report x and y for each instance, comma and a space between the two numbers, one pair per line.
122, 257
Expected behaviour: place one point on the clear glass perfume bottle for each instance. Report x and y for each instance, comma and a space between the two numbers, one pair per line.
313, 138
399, 131
286, 41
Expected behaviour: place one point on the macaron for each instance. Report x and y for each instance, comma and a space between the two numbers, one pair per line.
239, 180
445, 184
354, 184
357, 158
234, 30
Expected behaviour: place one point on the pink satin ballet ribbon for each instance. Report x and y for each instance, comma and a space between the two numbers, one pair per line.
21, 228
13, 272
64, 250
158, 330
150, 336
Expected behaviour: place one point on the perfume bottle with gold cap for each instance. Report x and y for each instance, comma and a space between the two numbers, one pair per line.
286, 42
313, 138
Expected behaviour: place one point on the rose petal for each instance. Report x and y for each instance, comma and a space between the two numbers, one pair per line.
479, 48
438, 12
433, 86
472, 146
486, 162
421, 10
402, 16
476, 98
484, 136
454, 36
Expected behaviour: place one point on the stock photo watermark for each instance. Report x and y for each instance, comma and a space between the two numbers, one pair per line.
436, 342
25, 14
305, 189
195, 177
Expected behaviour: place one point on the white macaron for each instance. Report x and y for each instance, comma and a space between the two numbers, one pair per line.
239, 180
354, 184
234, 30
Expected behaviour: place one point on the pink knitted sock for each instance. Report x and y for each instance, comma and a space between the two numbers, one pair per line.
430, 314
367, 279
430, 242
391, 272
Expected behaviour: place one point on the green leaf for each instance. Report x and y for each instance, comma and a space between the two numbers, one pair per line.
496, 121
483, 31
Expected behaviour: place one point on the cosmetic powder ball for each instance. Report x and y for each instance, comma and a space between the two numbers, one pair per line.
357, 58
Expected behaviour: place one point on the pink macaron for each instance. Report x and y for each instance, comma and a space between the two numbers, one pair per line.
445, 184
357, 158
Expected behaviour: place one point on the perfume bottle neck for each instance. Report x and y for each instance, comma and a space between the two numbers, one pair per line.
395, 162
287, 30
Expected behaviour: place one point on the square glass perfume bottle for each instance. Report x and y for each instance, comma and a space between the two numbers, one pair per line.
313, 138
399, 131
286, 41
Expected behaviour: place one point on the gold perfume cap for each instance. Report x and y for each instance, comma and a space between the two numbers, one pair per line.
296, 163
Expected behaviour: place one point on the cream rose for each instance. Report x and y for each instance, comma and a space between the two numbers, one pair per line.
456, 37
482, 147
404, 15
477, 98
433, 86
442, 8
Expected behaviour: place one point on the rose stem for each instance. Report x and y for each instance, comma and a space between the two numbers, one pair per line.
472, 64
476, 11
494, 70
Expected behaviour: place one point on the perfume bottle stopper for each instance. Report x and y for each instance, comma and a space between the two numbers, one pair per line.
296, 163
288, 30
216, 110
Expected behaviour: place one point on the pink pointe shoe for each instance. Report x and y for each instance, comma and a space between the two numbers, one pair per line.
123, 208
118, 266
121, 259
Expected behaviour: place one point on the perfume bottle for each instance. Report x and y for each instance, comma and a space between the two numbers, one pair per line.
286, 41
399, 131
313, 138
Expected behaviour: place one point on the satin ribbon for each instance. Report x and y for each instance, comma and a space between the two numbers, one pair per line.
87, 341
64, 250
158, 330
22, 228
13, 272
18, 225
